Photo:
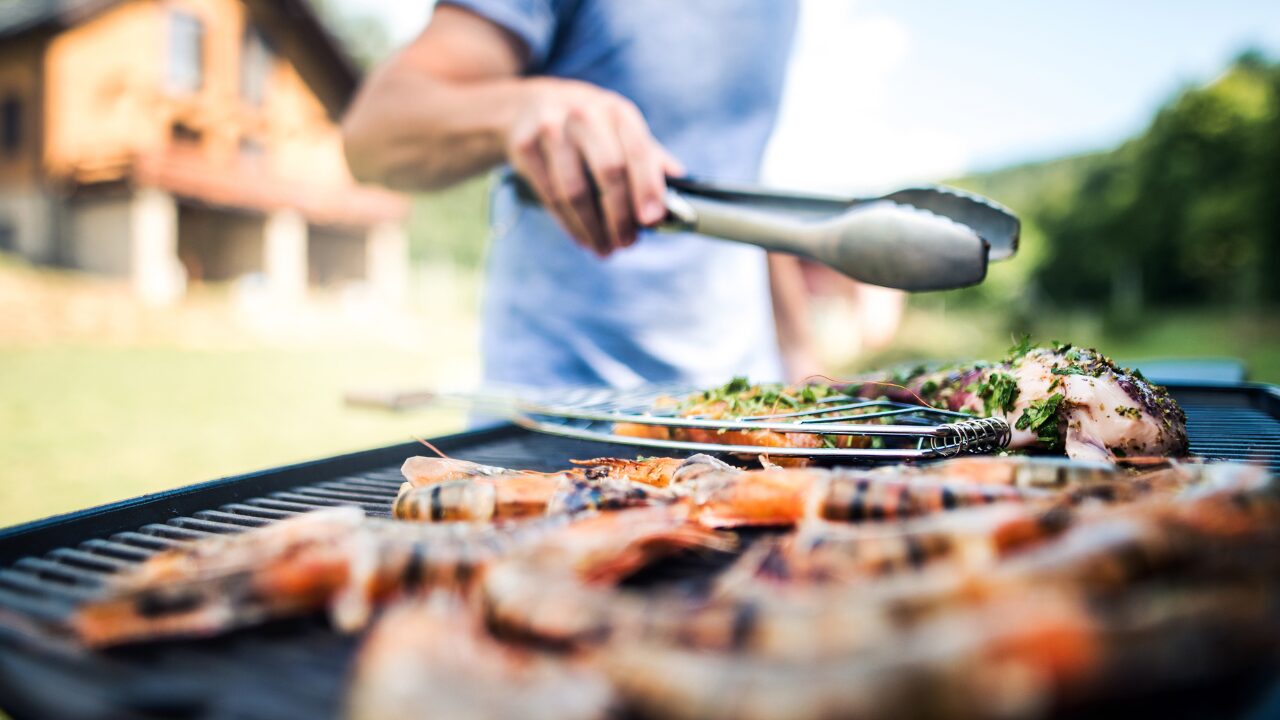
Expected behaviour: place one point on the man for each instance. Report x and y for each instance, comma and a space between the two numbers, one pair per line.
594, 103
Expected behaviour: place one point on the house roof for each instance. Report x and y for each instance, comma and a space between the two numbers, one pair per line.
298, 33
293, 25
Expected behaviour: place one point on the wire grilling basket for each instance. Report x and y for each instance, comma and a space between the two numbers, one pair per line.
893, 430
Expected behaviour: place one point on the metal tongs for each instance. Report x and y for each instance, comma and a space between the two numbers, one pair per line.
928, 238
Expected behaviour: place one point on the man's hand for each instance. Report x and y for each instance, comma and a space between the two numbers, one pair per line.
589, 156
454, 103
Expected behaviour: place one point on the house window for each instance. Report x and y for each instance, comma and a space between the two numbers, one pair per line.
11, 125
255, 66
186, 52
183, 134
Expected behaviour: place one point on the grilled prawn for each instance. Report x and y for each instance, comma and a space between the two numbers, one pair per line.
433, 658
556, 589
1074, 480
443, 489
974, 538
658, 471
725, 497
335, 559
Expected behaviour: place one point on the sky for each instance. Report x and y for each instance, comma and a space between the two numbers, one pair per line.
886, 93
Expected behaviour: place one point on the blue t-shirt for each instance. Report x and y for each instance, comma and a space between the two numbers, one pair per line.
707, 75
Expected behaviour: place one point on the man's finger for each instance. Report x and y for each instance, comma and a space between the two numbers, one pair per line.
572, 198
528, 164
529, 161
645, 174
605, 159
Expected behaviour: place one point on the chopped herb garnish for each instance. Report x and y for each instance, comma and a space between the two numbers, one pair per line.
1129, 412
738, 398
1068, 370
1041, 417
999, 392
1021, 347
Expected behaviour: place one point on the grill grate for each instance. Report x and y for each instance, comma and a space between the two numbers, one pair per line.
295, 668
285, 669
1226, 425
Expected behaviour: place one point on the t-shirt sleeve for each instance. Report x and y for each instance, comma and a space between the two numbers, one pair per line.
532, 21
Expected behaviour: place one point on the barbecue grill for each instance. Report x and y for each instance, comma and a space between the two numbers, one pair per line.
297, 668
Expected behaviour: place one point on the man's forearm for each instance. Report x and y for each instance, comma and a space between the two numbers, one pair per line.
411, 131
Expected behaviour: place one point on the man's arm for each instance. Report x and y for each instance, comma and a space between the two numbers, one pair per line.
791, 310
452, 104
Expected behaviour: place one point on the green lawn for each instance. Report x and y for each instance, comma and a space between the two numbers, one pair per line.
88, 425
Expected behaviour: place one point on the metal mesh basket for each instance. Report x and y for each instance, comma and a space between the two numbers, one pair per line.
895, 430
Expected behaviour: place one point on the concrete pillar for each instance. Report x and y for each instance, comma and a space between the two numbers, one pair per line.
387, 261
157, 274
285, 254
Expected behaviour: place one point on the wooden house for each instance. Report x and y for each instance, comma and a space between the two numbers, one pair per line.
180, 141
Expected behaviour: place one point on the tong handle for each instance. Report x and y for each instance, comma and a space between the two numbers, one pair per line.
802, 203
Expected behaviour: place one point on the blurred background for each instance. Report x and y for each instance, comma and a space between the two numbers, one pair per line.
190, 281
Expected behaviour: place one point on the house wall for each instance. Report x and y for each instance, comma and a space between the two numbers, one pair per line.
100, 234
103, 100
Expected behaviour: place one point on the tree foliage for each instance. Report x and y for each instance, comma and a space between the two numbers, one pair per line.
1184, 213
